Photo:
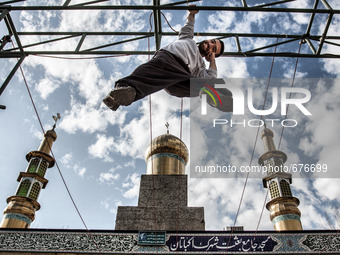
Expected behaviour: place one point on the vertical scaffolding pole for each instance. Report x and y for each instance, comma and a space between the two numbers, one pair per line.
157, 24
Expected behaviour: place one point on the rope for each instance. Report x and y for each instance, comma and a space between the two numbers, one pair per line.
253, 151
180, 149
282, 130
56, 163
290, 94
181, 137
169, 23
151, 135
261, 214
179, 180
181, 123
151, 138
69, 58
153, 181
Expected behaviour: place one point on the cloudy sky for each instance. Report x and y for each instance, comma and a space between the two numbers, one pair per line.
100, 153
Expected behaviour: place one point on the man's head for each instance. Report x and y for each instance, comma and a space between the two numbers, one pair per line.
211, 46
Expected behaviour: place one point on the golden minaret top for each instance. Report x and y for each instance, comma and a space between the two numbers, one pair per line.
283, 207
21, 208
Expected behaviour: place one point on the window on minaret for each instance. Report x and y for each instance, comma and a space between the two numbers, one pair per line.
33, 166
285, 188
274, 190
23, 188
42, 168
35, 191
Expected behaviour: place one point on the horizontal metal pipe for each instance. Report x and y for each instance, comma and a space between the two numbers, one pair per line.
333, 43
275, 3
165, 7
83, 32
44, 42
312, 37
118, 53
271, 45
115, 43
181, 2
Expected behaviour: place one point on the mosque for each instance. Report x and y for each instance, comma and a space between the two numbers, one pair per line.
160, 224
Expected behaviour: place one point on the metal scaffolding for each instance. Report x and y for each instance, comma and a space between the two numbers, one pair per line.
19, 50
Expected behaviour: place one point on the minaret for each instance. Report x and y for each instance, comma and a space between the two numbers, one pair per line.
163, 193
283, 207
21, 208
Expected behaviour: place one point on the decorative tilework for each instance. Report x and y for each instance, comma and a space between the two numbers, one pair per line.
17, 217
322, 243
289, 242
183, 243
166, 154
285, 217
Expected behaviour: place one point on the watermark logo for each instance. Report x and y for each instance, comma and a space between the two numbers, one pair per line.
206, 89
238, 99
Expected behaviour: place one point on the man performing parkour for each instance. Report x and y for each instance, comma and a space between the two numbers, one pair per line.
170, 69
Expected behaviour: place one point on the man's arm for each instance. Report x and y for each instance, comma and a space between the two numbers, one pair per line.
191, 16
187, 31
211, 59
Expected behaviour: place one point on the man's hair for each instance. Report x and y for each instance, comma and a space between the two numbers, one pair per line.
222, 49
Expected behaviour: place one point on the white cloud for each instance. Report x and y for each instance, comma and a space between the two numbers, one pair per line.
84, 79
232, 68
323, 125
89, 119
105, 204
68, 161
111, 205
102, 148
331, 65
328, 188
132, 186
67, 158
37, 133
289, 73
131, 142
214, 195
300, 18
130, 46
219, 22
79, 170
47, 86
108, 177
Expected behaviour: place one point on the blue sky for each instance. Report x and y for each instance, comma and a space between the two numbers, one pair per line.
101, 153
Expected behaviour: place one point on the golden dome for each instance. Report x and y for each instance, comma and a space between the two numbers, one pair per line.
166, 155
167, 143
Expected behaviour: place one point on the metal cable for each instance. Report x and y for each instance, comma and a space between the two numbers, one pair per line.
253, 151
56, 163
264, 203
